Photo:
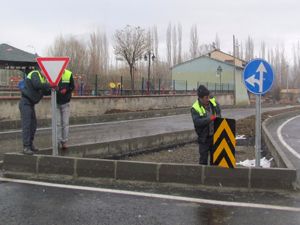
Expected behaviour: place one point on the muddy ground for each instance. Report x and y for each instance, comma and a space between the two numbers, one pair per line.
189, 153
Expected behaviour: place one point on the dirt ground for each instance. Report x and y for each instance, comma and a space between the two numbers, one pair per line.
189, 153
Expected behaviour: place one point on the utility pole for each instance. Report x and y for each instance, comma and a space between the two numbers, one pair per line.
149, 56
234, 82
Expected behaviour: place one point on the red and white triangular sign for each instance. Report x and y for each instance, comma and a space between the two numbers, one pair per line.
53, 67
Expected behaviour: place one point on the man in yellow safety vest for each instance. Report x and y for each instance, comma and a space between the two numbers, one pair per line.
63, 98
35, 87
204, 112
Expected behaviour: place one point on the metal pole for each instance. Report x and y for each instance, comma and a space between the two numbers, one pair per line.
149, 64
121, 85
186, 86
96, 85
258, 131
54, 119
159, 86
142, 85
220, 81
234, 82
173, 86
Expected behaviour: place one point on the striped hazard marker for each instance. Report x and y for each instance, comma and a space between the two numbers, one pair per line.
223, 151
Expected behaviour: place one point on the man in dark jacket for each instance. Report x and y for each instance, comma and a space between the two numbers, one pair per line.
35, 87
63, 97
204, 112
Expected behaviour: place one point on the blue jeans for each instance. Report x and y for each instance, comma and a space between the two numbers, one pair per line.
28, 120
63, 116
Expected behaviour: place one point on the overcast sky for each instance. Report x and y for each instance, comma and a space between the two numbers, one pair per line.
32, 25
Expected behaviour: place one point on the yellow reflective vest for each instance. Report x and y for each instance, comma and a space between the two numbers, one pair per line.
66, 76
42, 78
201, 110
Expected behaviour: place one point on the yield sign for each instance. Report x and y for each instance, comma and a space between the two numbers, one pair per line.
53, 68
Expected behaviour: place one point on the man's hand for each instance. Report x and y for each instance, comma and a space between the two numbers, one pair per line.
63, 91
212, 117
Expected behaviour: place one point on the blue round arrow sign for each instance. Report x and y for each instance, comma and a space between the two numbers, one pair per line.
258, 76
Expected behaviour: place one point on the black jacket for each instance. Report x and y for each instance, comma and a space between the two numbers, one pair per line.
63, 99
34, 89
201, 123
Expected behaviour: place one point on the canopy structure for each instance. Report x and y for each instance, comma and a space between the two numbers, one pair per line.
16, 59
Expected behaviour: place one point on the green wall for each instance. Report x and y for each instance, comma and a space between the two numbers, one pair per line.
203, 70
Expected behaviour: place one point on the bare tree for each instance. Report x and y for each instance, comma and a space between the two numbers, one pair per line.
130, 44
262, 53
241, 54
179, 32
74, 49
155, 43
98, 55
296, 65
204, 48
217, 42
169, 44
194, 42
174, 43
58, 48
249, 49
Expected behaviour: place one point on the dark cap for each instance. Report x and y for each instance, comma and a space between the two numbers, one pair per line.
202, 91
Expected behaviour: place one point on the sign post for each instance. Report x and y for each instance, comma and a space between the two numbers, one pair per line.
258, 78
53, 68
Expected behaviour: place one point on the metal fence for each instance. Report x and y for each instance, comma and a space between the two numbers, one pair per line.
121, 86
105, 86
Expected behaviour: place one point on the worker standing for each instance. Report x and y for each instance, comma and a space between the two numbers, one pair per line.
34, 88
204, 112
63, 98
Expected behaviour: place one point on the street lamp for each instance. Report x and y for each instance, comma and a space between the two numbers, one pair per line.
149, 56
219, 74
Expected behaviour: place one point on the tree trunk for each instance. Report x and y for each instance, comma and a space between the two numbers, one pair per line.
132, 78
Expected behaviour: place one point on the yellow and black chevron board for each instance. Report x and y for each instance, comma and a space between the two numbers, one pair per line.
223, 150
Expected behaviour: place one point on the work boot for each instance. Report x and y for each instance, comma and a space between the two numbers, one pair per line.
27, 151
34, 149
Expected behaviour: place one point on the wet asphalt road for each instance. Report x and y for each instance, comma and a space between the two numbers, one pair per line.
290, 139
110, 131
30, 204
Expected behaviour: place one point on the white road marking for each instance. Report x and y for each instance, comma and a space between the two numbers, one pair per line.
158, 196
279, 134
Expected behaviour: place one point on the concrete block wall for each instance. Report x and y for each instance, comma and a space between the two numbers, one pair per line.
96, 106
19, 165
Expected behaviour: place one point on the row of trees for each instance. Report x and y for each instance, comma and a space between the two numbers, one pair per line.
92, 57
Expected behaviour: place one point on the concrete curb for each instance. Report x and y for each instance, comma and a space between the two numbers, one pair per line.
129, 147
19, 165
276, 151
119, 148
16, 124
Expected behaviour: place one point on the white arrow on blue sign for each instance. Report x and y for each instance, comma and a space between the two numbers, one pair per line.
258, 76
